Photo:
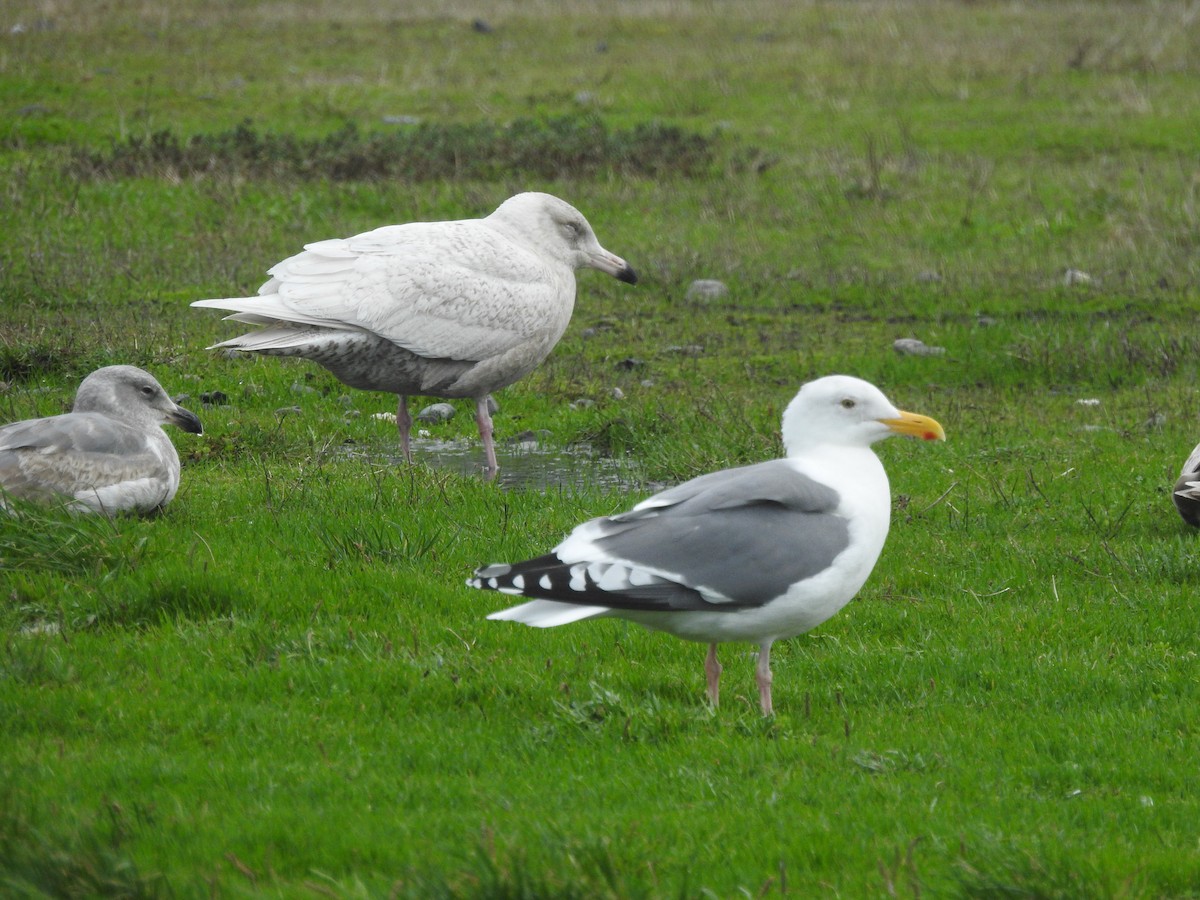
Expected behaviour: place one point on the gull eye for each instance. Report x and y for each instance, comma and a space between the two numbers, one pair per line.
147, 391
848, 404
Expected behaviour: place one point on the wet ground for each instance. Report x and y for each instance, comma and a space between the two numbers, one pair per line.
524, 465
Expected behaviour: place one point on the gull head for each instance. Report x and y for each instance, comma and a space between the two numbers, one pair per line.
557, 229
132, 395
845, 411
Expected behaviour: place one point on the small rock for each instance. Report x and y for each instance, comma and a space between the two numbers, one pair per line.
1155, 422
351, 414
481, 26
214, 398
585, 98
1074, 276
686, 349
1087, 401
288, 411
42, 627
589, 332
435, 413
582, 403
617, 394
706, 290
984, 321
345, 400
647, 382
928, 277
914, 347
630, 362
401, 120
298, 388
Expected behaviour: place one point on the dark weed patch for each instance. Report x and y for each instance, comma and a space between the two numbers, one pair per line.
581, 868
565, 147
91, 862
53, 540
378, 544
24, 362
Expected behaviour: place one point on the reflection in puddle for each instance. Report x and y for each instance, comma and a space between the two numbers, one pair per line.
526, 464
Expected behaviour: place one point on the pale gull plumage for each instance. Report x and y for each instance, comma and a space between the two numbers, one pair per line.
758, 553
448, 309
108, 455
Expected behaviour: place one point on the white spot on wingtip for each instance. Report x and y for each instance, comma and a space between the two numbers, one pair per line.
518, 582
544, 583
578, 578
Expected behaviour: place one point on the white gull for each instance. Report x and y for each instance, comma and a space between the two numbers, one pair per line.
758, 553
446, 309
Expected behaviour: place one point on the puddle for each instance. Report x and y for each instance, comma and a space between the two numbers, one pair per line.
524, 465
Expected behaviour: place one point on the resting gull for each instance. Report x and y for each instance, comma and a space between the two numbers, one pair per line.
1187, 489
758, 553
108, 455
447, 309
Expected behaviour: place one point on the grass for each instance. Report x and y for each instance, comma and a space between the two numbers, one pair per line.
280, 685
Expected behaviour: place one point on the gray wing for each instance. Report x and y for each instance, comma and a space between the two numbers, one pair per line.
72, 452
731, 540
746, 533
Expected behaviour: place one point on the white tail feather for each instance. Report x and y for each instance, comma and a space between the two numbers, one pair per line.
548, 613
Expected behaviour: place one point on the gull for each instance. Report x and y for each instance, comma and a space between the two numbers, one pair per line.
758, 553
108, 455
1187, 489
445, 309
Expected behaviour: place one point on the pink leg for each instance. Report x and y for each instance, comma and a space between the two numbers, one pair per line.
712, 672
404, 426
484, 420
762, 673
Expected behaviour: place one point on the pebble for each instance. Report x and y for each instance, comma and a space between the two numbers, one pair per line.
617, 394
707, 290
582, 403
436, 412
298, 388
630, 362
914, 347
1074, 276
214, 398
